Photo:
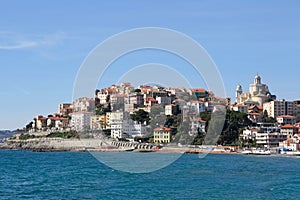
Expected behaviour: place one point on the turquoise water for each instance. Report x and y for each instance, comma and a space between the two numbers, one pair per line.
71, 175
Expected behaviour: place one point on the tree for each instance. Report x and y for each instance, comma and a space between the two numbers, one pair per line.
137, 90
140, 116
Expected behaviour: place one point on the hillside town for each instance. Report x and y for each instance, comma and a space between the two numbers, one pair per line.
157, 115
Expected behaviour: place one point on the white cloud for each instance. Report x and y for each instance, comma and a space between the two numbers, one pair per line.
11, 41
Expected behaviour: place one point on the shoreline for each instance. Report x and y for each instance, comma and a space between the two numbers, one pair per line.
96, 145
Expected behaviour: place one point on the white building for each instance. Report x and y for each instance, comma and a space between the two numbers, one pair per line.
198, 126
80, 121
170, 109
84, 104
280, 107
286, 119
114, 122
133, 129
240, 108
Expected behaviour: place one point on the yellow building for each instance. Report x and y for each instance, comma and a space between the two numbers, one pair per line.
162, 135
98, 122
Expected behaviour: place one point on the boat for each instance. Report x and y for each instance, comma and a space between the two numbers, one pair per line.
256, 152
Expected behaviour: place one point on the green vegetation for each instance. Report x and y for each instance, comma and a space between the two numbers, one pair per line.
137, 90
140, 116
102, 109
234, 124
66, 135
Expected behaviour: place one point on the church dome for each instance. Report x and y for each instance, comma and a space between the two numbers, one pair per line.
257, 79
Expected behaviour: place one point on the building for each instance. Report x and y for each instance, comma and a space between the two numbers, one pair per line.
98, 122
171, 109
258, 93
164, 100
57, 122
198, 126
117, 101
280, 107
196, 106
150, 101
80, 121
289, 130
132, 129
162, 135
199, 93
115, 123
40, 123
65, 109
136, 99
84, 104
286, 119
240, 108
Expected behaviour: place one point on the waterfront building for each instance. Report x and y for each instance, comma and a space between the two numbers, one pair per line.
289, 130
258, 93
162, 135
80, 121
132, 129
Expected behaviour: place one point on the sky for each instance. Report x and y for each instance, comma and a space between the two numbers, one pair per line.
44, 43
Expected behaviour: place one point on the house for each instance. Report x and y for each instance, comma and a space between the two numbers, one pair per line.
150, 101
289, 130
240, 108
171, 109
162, 135
40, 123
286, 119
198, 93
256, 109
57, 122
255, 117
65, 109
198, 126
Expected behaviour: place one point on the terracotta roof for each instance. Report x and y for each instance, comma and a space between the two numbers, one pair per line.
198, 90
287, 126
253, 113
163, 128
286, 116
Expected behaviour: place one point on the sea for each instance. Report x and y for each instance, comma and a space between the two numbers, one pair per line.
79, 175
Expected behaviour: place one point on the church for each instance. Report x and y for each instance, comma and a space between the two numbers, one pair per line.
258, 94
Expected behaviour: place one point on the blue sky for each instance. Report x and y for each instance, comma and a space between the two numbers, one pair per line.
43, 43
